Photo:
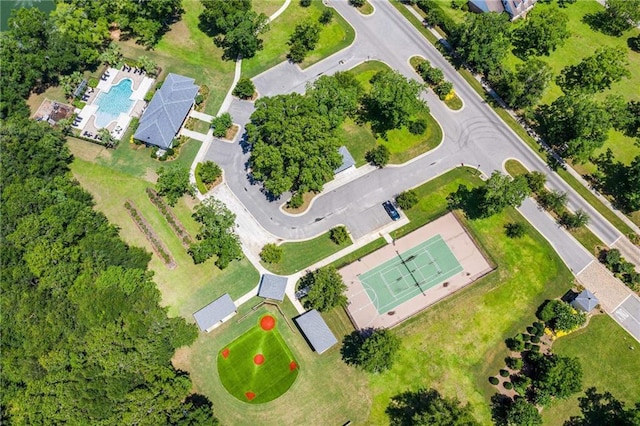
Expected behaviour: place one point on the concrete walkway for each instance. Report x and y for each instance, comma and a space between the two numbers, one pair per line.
201, 116
193, 135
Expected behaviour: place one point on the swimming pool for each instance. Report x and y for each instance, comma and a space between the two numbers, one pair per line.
112, 103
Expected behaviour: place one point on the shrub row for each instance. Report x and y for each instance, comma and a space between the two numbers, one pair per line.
173, 221
434, 77
621, 268
148, 232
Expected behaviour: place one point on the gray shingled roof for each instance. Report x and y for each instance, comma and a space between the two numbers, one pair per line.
585, 301
272, 287
164, 115
215, 312
316, 331
347, 160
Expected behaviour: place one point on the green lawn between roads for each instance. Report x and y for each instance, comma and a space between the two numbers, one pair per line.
240, 375
333, 37
300, 254
402, 144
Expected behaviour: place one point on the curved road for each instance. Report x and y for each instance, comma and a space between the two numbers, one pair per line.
475, 136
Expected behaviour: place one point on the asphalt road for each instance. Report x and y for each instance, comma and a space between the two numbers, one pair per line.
474, 136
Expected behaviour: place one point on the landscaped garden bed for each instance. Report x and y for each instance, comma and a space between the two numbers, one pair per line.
144, 226
172, 220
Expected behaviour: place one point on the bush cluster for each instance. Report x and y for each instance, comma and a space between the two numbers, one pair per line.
271, 253
494, 380
142, 224
339, 235
621, 268
559, 315
434, 77
173, 221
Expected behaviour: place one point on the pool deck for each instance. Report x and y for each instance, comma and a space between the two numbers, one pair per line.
474, 266
140, 84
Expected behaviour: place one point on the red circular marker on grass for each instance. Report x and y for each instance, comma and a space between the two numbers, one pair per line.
250, 395
267, 322
258, 359
225, 353
292, 365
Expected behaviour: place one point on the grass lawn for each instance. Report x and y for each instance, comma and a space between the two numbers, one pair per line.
401, 143
362, 251
188, 287
298, 255
455, 345
268, 7
326, 391
366, 8
333, 37
608, 363
188, 51
258, 366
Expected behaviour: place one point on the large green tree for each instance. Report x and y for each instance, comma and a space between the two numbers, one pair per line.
575, 125
392, 100
217, 236
483, 40
502, 191
326, 289
304, 38
543, 32
618, 16
519, 413
293, 137
173, 183
426, 407
372, 350
604, 409
595, 73
85, 340
524, 87
555, 376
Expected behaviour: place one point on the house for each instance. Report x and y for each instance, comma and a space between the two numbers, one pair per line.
514, 8
272, 287
347, 160
166, 113
316, 331
215, 313
585, 301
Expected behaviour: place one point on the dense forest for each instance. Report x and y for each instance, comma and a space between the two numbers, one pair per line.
84, 337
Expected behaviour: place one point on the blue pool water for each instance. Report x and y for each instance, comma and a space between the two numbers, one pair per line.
112, 103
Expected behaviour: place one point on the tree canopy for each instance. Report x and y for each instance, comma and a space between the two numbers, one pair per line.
304, 38
293, 137
604, 409
426, 407
483, 40
372, 350
84, 339
217, 234
595, 73
621, 181
555, 376
507, 412
524, 87
501, 191
544, 31
392, 100
173, 183
617, 17
326, 289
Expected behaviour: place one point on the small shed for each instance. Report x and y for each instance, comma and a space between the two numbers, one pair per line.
316, 331
347, 160
585, 301
272, 287
215, 313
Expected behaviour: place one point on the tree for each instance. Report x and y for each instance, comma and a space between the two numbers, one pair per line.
523, 88
634, 43
339, 235
326, 289
515, 230
221, 124
244, 88
515, 413
443, 89
561, 316
111, 55
555, 377
595, 73
543, 32
574, 220
575, 125
378, 156
372, 350
428, 407
217, 234
326, 17
173, 183
294, 146
220, 16
148, 65
392, 101
305, 3
483, 40
271, 253
536, 180
604, 409
407, 199
304, 39
106, 138
553, 200
501, 191
618, 17
209, 172
242, 40
70, 83
357, 3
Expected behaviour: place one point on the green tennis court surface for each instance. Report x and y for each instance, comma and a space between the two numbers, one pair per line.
410, 273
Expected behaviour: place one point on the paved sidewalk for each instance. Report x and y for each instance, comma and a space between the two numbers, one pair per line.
193, 135
201, 116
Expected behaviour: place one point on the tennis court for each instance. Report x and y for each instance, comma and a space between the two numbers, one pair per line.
410, 273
